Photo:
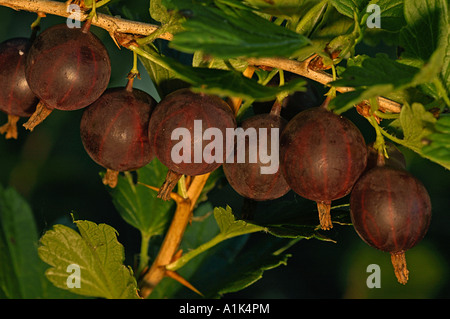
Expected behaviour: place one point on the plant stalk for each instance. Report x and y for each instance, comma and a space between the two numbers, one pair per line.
174, 235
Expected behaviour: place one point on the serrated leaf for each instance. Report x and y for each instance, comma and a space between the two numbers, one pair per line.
426, 29
21, 269
138, 205
375, 71
229, 226
244, 269
296, 218
380, 76
158, 11
233, 32
226, 267
416, 123
438, 149
348, 7
97, 253
419, 127
391, 14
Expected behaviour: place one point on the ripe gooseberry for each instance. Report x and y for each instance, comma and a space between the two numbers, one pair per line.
114, 131
179, 133
246, 175
391, 211
322, 156
16, 98
67, 69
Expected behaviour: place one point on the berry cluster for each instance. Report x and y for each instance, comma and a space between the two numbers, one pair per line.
322, 156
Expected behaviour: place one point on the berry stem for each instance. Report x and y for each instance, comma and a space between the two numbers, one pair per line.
87, 25
399, 262
276, 107
129, 86
326, 102
325, 215
10, 128
41, 113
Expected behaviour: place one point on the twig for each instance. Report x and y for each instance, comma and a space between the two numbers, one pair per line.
109, 23
174, 235
302, 69
116, 25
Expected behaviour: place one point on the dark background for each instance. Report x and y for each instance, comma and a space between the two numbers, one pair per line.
50, 168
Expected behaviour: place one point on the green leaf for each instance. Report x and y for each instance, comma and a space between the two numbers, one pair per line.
218, 277
221, 82
161, 77
420, 128
426, 29
296, 218
21, 270
376, 71
228, 266
391, 14
438, 149
230, 227
97, 253
348, 7
380, 76
416, 123
158, 11
205, 61
233, 33
138, 205
282, 8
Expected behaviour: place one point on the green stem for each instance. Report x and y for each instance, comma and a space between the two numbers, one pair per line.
281, 74
134, 70
386, 116
379, 144
36, 22
149, 56
173, 21
393, 138
143, 256
183, 260
182, 191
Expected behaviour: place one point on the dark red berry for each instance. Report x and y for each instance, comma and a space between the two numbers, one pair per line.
114, 130
16, 98
322, 156
67, 69
391, 211
245, 175
190, 152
